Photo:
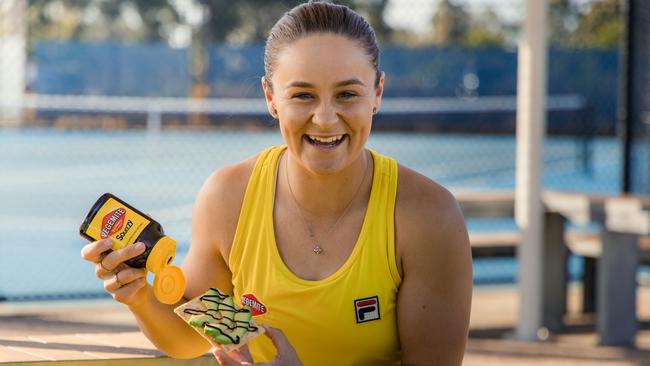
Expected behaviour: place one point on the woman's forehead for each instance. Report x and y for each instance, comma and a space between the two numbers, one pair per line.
327, 58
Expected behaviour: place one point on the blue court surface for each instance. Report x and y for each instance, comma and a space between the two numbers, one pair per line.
50, 178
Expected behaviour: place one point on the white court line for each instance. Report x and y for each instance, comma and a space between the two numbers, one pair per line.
47, 358
99, 341
39, 340
95, 355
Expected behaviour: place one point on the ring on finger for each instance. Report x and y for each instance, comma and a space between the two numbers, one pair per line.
101, 263
117, 279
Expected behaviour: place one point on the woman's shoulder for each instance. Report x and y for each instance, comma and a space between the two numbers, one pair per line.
419, 194
427, 216
219, 201
228, 182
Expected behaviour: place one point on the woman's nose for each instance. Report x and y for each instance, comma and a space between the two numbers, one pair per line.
325, 114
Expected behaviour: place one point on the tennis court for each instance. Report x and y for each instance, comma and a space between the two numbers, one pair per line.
51, 178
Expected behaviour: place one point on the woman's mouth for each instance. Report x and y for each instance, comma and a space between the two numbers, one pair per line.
325, 141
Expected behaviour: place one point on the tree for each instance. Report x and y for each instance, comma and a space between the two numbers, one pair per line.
373, 11
487, 29
249, 21
596, 24
600, 26
562, 21
131, 20
222, 21
244, 21
238, 21
451, 23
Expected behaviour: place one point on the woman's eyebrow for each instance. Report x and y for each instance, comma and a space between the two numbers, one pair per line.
353, 81
304, 84
299, 84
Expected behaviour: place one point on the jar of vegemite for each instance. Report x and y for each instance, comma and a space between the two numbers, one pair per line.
110, 217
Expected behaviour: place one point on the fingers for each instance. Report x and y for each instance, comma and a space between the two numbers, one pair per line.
240, 356
93, 252
115, 258
244, 354
111, 261
277, 337
223, 358
286, 353
124, 283
130, 292
117, 281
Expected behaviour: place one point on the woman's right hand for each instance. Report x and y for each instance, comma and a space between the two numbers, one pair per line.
126, 284
285, 353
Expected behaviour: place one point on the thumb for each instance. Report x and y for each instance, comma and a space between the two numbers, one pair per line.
278, 338
286, 352
223, 358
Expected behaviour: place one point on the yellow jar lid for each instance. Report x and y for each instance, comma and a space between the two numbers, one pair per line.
169, 285
161, 255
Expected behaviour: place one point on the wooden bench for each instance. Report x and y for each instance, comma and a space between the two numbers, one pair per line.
580, 243
95, 349
622, 243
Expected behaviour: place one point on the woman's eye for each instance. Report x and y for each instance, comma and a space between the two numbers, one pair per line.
347, 95
302, 96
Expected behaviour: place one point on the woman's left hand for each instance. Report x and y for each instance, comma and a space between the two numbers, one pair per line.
286, 355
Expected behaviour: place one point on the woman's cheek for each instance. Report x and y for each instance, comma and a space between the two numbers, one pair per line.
360, 108
297, 112
360, 114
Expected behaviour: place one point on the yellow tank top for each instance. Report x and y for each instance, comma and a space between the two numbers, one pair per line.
348, 318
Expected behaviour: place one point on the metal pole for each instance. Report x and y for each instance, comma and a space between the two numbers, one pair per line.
625, 72
154, 122
531, 128
13, 46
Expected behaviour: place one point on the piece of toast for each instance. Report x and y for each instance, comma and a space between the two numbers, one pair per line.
197, 305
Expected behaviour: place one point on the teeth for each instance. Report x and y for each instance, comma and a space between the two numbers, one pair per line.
326, 140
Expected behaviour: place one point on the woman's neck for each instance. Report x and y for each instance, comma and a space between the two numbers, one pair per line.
322, 195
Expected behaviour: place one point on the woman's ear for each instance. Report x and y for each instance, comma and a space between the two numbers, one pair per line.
268, 96
379, 91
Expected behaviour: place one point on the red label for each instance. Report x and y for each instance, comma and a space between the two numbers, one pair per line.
257, 308
113, 222
366, 303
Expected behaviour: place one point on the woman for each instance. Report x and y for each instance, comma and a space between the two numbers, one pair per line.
354, 258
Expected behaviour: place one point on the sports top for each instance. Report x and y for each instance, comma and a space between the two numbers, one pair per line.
348, 318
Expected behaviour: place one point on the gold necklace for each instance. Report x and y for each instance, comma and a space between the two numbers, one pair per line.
317, 249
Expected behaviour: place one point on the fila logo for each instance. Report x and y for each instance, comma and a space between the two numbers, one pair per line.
367, 309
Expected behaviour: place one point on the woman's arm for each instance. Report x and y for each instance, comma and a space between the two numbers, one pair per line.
203, 267
214, 220
433, 250
158, 321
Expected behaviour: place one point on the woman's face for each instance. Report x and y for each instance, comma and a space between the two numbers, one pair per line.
324, 94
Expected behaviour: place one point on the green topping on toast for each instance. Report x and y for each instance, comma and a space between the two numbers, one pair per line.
223, 321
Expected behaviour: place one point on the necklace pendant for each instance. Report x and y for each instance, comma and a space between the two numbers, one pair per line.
318, 249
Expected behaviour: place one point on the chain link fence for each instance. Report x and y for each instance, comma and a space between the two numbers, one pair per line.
104, 86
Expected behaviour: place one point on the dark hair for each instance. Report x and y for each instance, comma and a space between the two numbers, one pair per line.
319, 17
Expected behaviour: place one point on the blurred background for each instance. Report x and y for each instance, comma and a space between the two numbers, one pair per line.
95, 99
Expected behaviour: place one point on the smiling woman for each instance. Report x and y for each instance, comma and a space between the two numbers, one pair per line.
324, 102
354, 258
